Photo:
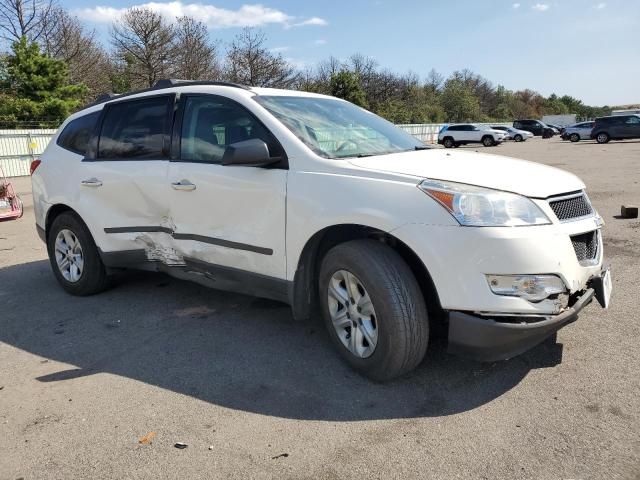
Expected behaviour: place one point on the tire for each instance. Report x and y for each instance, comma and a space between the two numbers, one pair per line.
448, 142
92, 277
488, 141
518, 138
603, 137
574, 137
400, 313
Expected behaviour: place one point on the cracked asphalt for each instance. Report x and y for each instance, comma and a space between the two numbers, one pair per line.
105, 386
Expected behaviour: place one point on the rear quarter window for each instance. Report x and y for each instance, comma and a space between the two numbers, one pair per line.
76, 135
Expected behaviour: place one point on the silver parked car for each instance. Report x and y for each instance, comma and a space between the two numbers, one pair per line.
578, 131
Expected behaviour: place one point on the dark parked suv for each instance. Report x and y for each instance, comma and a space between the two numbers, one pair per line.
536, 127
616, 127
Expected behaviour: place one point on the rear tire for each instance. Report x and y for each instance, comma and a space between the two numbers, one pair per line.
448, 142
602, 137
574, 137
74, 257
401, 323
488, 141
518, 138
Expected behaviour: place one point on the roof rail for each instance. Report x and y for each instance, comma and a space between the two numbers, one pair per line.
161, 84
175, 82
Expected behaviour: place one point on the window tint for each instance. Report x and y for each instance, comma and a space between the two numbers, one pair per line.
135, 129
633, 121
211, 123
517, 124
455, 128
76, 134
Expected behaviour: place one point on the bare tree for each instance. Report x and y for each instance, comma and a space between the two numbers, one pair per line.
145, 41
249, 62
25, 18
67, 40
196, 58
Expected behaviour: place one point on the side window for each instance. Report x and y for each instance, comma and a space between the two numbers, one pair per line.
211, 123
135, 129
76, 135
517, 124
454, 128
633, 121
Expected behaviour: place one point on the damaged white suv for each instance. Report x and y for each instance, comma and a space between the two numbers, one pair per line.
313, 201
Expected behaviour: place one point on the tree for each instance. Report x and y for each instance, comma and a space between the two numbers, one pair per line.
195, 58
145, 41
39, 86
459, 102
88, 63
25, 18
346, 85
249, 62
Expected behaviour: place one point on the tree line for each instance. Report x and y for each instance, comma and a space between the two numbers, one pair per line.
53, 65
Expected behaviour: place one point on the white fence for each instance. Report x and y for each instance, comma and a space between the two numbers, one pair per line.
19, 147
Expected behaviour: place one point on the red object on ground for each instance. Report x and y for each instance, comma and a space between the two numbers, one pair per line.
10, 203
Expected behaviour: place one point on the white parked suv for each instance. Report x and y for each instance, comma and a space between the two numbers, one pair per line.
464, 133
310, 200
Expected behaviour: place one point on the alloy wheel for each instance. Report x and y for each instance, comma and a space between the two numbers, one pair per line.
69, 255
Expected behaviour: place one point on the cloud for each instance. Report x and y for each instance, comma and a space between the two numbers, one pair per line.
320, 41
317, 21
214, 17
516, 5
600, 6
541, 7
279, 49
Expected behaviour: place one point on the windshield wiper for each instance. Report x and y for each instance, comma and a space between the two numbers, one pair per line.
362, 155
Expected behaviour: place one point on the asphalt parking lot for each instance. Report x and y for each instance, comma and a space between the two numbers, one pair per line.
255, 395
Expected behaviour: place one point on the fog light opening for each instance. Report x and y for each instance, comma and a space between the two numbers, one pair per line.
533, 288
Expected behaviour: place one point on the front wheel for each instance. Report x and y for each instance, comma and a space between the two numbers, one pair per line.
574, 137
488, 141
518, 138
373, 309
448, 142
74, 256
602, 138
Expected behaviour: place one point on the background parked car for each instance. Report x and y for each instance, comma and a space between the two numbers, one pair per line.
513, 133
461, 134
538, 128
558, 128
577, 132
616, 127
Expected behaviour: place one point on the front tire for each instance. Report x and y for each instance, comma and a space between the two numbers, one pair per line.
518, 138
373, 309
602, 138
74, 257
574, 137
488, 141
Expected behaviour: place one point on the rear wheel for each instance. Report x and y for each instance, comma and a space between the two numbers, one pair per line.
518, 138
373, 309
74, 256
574, 137
448, 142
602, 137
488, 141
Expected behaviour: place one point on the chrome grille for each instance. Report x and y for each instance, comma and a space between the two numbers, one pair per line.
585, 245
568, 208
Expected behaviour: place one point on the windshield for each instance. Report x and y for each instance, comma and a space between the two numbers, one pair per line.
337, 129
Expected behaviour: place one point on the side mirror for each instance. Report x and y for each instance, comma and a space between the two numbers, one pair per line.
248, 153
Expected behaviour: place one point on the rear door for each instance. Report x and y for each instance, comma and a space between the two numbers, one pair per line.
226, 217
632, 127
123, 177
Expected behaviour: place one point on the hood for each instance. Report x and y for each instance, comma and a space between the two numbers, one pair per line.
491, 171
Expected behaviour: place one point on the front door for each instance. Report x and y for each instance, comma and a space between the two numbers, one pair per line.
226, 219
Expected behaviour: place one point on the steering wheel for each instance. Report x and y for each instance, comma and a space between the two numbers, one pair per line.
343, 145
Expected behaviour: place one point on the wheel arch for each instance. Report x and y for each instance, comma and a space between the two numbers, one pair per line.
304, 288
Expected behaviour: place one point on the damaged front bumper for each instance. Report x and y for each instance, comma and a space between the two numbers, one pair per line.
499, 338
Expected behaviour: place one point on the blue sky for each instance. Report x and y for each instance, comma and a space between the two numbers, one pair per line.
586, 48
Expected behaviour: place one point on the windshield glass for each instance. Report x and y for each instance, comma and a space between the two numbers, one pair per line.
336, 129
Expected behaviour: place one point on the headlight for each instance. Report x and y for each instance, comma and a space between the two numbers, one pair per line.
483, 207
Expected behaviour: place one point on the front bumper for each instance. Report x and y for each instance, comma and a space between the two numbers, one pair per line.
488, 340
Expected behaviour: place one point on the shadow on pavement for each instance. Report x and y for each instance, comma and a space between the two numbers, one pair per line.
231, 350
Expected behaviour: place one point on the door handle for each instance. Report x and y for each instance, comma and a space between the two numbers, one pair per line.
91, 182
185, 185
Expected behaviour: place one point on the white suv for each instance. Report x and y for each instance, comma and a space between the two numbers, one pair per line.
463, 133
313, 201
